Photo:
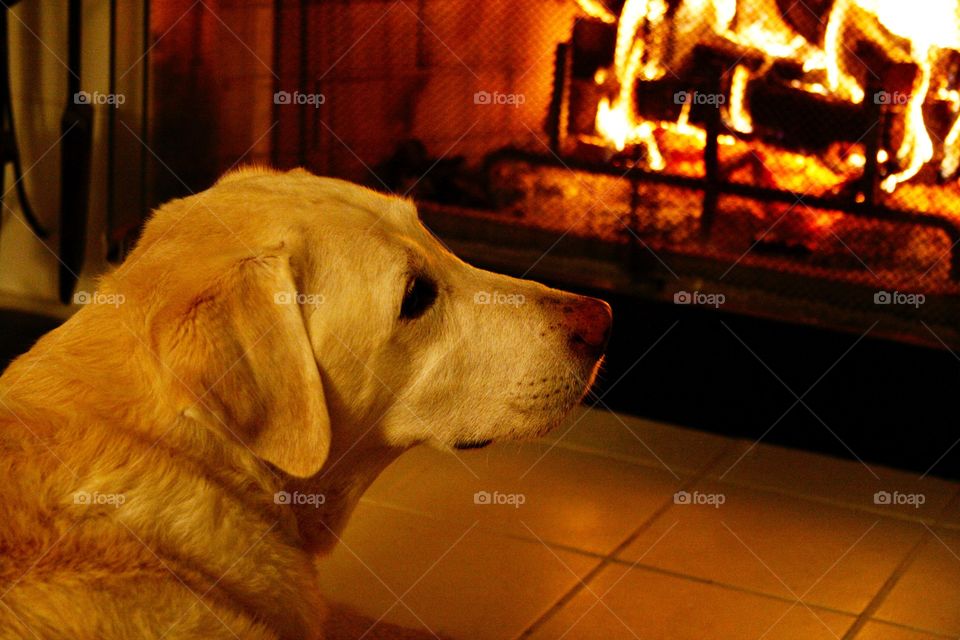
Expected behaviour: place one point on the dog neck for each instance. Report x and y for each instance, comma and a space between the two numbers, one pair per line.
327, 499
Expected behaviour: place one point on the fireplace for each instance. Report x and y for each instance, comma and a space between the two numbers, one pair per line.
792, 160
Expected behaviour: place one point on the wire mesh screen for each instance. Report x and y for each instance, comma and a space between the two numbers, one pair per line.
462, 77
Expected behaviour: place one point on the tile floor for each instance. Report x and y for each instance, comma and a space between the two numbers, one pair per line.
584, 536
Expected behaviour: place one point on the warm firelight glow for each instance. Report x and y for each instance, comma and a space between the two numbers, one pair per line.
928, 26
738, 116
644, 49
617, 120
596, 9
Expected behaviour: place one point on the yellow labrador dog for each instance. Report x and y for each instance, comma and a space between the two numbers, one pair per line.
173, 456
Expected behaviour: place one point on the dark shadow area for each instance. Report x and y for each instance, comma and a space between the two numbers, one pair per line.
19, 331
881, 401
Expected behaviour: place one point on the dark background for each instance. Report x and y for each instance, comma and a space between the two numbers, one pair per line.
885, 402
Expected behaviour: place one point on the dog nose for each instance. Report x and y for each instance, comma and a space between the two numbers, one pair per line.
590, 320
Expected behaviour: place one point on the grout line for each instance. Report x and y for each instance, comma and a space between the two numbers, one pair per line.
906, 627
732, 587
639, 461
779, 490
851, 506
867, 614
687, 472
706, 473
610, 558
605, 562
840, 504
497, 532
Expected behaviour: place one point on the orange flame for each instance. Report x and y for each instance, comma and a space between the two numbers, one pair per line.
935, 26
647, 47
596, 9
738, 116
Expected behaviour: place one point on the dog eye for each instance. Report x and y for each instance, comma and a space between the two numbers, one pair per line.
420, 295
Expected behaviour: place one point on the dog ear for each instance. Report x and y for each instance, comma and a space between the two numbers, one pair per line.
253, 367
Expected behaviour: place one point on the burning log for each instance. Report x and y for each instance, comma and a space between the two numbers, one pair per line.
589, 52
784, 111
807, 18
593, 44
797, 118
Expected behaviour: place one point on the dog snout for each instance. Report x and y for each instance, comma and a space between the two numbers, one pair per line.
589, 320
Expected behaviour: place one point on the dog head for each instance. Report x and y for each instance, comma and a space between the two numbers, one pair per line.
304, 315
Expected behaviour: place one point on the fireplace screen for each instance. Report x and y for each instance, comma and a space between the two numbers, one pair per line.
794, 159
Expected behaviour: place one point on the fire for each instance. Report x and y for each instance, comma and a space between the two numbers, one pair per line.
649, 42
738, 116
616, 119
596, 9
934, 26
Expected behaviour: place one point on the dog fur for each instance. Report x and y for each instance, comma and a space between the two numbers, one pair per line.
254, 345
